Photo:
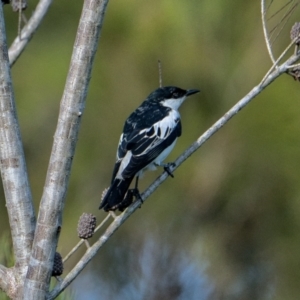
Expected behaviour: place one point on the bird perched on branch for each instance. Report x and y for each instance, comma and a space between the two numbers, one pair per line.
149, 135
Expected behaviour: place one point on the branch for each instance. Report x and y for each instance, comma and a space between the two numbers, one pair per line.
118, 221
27, 32
55, 189
12, 163
265, 30
3, 278
8, 282
292, 43
81, 242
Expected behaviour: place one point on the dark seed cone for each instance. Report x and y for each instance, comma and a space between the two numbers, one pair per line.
58, 266
17, 4
295, 33
86, 226
295, 72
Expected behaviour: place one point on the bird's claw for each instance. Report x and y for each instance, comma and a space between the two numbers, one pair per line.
137, 195
167, 168
128, 200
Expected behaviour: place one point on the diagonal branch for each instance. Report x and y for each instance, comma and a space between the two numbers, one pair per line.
118, 221
28, 31
65, 138
12, 163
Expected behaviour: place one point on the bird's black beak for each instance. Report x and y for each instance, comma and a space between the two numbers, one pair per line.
192, 92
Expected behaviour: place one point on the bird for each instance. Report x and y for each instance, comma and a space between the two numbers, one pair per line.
148, 136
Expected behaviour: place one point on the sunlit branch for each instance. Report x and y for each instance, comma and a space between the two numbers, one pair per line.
27, 32
12, 164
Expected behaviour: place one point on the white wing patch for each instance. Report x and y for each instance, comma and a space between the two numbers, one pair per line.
162, 129
120, 142
124, 164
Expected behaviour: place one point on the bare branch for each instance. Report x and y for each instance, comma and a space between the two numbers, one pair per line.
8, 282
12, 163
3, 278
27, 32
160, 73
119, 220
280, 58
65, 138
265, 30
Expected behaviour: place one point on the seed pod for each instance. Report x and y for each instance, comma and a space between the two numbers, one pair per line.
58, 266
295, 33
86, 226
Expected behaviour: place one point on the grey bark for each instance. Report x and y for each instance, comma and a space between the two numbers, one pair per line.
49, 220
13, 168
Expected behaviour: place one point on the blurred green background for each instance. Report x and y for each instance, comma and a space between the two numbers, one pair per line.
227, 225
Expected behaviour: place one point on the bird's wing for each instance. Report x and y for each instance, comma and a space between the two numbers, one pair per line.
145, 144
120, 155
142, 118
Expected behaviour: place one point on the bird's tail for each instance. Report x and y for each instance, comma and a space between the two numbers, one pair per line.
115, 194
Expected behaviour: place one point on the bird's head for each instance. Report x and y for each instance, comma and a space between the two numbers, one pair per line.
170, 96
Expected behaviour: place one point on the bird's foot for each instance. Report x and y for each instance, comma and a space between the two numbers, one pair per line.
128, 199
167, 168
137, 195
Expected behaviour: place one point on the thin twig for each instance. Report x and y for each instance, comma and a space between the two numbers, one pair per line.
195, 146
279, 10
28, 30
24, 18
265, 30
82, 241
87, 244
280, 57
294, 66
20, 19
160, 73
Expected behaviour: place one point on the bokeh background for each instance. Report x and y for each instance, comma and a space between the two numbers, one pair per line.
227, 226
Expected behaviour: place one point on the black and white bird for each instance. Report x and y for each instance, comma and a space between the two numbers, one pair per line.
149, 135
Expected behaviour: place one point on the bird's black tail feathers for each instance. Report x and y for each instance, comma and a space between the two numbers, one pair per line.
115, 194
